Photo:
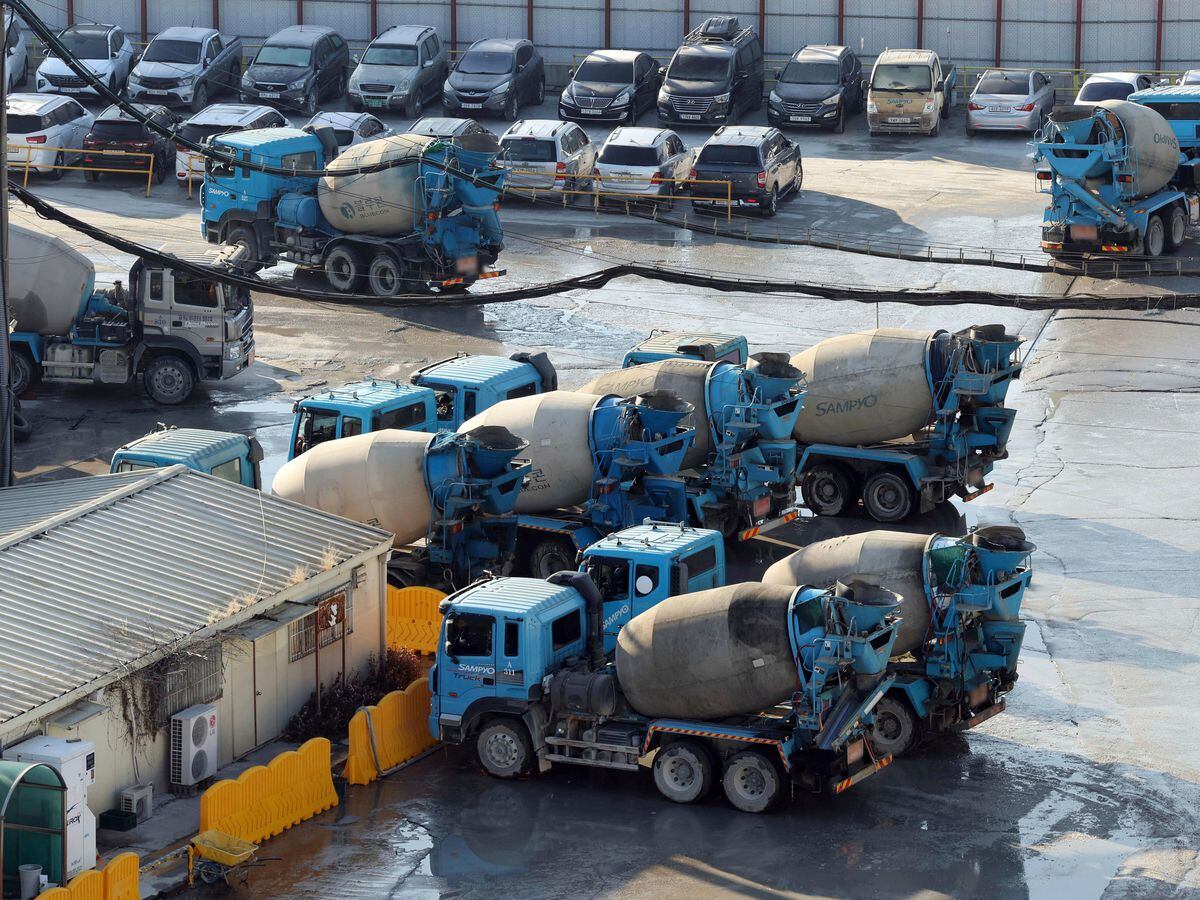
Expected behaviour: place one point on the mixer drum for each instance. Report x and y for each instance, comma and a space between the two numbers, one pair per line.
381, 203
49, 282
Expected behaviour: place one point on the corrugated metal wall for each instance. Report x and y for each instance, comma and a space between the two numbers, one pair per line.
1114, 34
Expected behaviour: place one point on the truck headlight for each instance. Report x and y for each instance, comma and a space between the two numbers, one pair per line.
929, 104
234, 351
831, 101
871, 107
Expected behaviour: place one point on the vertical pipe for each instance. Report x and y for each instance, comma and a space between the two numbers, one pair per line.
70, 12
762, 24
607, 23
7, 407
216, 19
687, 16
374, 18
841, 22
453, 25
145, 23
254, 674
920, 24
1158, 38
529, 18
999, 29
1078, 33
299, 12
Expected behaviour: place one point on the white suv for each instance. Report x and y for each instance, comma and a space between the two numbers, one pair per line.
547, 155
219, 118
643, 161
44, 131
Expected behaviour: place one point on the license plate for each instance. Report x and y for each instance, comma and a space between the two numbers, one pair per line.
269, 95
999, 109
73, 90
591, 112
375, 103
801, 118
691, 117
155, 93
472, 106
898, 120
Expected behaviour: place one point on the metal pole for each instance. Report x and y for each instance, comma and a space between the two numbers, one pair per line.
529, 18
145, 22
1158, 38
1078, 34
841, 14
299, 12
216, 14
762, 24
374, 18
687, 16
920, 24
6, 395
453, 25
999, 28
70, 12
607, 23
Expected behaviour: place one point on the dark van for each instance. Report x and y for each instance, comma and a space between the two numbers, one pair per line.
715, 75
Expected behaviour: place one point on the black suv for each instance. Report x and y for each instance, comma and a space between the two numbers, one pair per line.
760, 164
114, 129
297, 68
716, 74
820, 85
495, 75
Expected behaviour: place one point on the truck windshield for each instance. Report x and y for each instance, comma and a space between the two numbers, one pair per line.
1015, 85
486, 62
809, 73
443, 398
469, 634
168, 51
697, 65
296, 57
717, 155
1096, 91
893, 77
611, 577
603, 71
527, 150
127, 466
383, 55
316, 427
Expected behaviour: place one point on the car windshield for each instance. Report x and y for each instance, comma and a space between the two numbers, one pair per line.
716, 154
696, 65
623, 155
486, 62
168, 51
528, 150
84, 46
1190, 77
119, 131
809, 73
199, 133
24, 124
383, 55
605, 71
296, 57
902, 78
1009, 85
1096, 91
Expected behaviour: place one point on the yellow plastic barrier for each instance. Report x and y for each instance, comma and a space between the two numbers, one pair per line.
58, 893
87, 885
400, 725
267, 800
121, 880
413, 620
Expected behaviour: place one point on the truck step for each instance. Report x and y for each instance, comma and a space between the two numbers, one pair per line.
594, 763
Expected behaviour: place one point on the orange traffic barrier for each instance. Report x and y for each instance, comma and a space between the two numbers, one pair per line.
391, 732
413, 620
266, 800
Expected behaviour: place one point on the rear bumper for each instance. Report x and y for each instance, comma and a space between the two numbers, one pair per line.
982, 120
1090, 239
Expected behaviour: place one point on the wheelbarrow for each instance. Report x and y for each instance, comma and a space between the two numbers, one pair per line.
216, 856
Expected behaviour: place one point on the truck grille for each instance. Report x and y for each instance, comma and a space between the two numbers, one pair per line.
691, 105
66, 81
378, 88
801, 109
593, 102
160, 84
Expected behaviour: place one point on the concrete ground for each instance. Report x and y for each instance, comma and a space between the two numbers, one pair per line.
1088, 786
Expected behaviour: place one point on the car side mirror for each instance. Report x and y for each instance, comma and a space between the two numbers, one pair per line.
356, 58
662, 71
777, 73
428, 64
571, 71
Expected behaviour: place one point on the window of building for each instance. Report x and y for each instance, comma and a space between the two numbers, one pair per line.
565, 630
332, 619
193, 677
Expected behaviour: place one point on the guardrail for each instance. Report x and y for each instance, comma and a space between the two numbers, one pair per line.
1062, 79
392, 732
192, 172
597, 193
119, 880
28, 164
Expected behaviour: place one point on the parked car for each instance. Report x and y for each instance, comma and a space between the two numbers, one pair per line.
404, 68
759, 164
548, 155
114, 129
350, 128
1191, 76
219, 118
820, 85
910, 91
106, 52
496, 75
444, 127
45, 131
187, 66
1010, 100
642, 161
611, 84
715, 75
297, 68
16, 51
1111, 86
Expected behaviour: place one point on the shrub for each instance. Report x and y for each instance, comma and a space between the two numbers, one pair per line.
340, 700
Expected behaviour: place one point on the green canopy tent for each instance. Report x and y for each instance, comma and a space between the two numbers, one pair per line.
33, 822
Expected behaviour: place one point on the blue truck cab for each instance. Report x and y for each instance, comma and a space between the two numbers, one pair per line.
1179, 104
360, 407
688, 345
465, 385
233, 457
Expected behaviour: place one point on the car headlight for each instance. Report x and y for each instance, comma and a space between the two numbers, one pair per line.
501, 89
135, 78
247, 82
774, 98
664, 96
871, 107
929, 104
722, 98
297, 84
624, 97
186, 80
830, 101
402, 87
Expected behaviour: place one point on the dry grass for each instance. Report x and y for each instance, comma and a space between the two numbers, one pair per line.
237, 604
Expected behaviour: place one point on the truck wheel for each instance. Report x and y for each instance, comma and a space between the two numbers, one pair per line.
753, 782
385, 278
25, 372
550, 556
887, 496
343, 269
936, 129
244, 236
828, 489
683, 772
168, 379
896, 729
504, 748
1176, 229
1156, 236
22, 428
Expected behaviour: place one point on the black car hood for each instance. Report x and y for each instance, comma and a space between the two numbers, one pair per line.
466, 82
277, 74
597, 88
811, 92
691, 88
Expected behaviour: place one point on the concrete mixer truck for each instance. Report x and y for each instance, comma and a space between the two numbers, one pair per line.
448, 498
427, 223
955, 656
779, 697
1116, 179
171, 328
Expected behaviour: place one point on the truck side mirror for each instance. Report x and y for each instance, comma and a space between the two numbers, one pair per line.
449, 652
940, 86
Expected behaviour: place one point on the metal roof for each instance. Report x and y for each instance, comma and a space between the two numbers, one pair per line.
475, 370
104, 575
513, 596
187, 446
366, 393
657, 537
258, 138
1168, 92
672, 341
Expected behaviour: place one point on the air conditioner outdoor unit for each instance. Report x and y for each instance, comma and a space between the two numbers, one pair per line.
194, 744
138, 799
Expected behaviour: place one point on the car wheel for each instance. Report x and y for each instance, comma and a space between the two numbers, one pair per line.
840, 126
511, 108
936, 129
160, 170
412, 105
541, 92
770, 205
91, 176
343, 269
504, 748
58, 171
169, 379
200, 98
971, 132
22, 428
112, 84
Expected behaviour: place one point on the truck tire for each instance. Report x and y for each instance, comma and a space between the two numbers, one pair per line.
504, 748
888, 496
936, 129
1155, 240
896, 729
25, 372
169, 379
551, 555
829, 489
1176, 228
22, 428
753, 782
243, 235
683, 771
344, 269
385, 277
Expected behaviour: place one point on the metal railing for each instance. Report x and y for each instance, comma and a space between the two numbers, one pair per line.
1062, 79
563, 181
30, 149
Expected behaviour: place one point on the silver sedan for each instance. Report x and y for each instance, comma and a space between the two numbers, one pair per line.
1010, 100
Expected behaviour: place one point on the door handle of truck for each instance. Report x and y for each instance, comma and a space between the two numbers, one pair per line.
489, 680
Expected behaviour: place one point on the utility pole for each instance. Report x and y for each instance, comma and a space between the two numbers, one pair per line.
6, 395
